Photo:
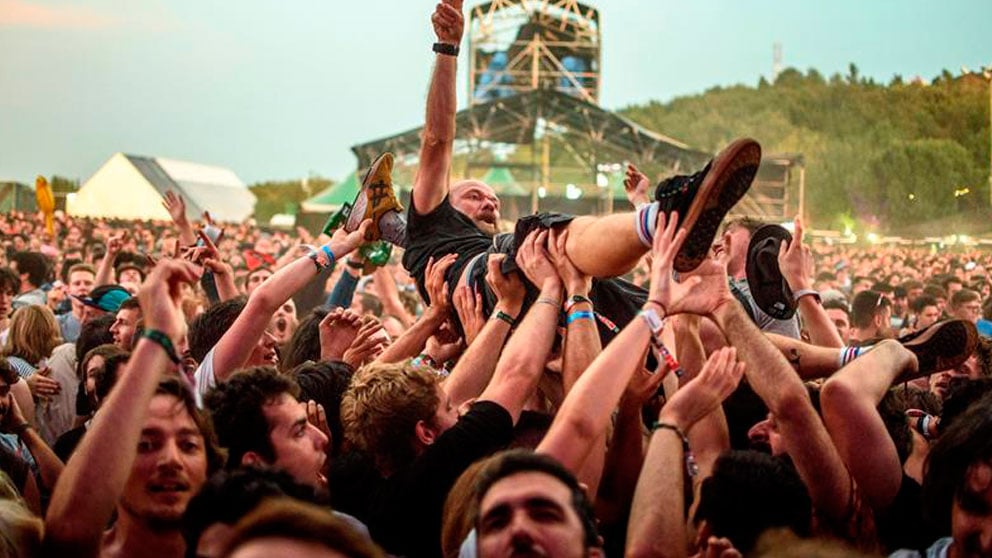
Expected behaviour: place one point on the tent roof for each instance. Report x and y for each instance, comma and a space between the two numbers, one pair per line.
593, 132
331, 198
205, 188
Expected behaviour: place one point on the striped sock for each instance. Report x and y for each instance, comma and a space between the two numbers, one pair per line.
645, 222
847, 354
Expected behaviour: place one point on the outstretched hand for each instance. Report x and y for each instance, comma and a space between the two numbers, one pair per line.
795, 260
534, 260
343, 242
160, 296
700, 292
436, 286
176, 206
575, 281
635, 183
448, 21
703, 394
509, 289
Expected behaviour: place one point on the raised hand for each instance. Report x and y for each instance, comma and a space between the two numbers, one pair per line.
534, 261
701, 292
343, 242
468, 306
448, 21
796, 260
115, 243
337, 332
704, 393
160, 296
635, 183
509, 289
368, 344
436, 286
176, 206
575, 281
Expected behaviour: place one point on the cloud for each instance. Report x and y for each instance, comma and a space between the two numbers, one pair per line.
21, 13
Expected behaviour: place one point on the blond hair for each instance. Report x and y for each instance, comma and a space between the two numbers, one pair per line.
33, 334
382, 407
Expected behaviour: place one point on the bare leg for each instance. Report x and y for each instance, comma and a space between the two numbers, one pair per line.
604, 246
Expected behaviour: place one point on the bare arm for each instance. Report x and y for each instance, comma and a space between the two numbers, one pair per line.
49, 466
105, 271
849, 400
176, 206
234, 348
390, 296
430, 185
95, 476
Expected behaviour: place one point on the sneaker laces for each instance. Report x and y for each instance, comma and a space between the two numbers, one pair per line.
677, 192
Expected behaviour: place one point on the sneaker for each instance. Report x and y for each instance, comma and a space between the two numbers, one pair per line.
375, 199
703, 199
942, 346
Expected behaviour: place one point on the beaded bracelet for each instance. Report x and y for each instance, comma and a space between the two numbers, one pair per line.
691, 466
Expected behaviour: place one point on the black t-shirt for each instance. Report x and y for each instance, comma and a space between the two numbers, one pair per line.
902, 524
405, 511
67, 443
443, 231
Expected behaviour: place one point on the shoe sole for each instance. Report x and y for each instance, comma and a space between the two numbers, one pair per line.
725, 184
370, 208
939, 347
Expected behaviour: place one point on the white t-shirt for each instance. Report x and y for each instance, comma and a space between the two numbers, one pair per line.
204, 376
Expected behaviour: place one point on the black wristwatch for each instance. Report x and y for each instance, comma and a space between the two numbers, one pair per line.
446, 48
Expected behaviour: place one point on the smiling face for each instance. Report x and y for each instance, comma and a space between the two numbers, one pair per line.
477, 201
170, 467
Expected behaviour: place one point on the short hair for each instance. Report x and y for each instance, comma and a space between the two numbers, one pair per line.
935, 291
236, 409
950, 279
382, 407
968, 441
962, 297
130, 304
33, 334
286, 518
9, 281
32, 263
749, 223
228, 496
326, 384
837, 304
866, 306
921, 302
107, 377
174, 386
749, 492
207, 329
911, 284
80, 267
7, 372
512, 462
304, 345
94, 333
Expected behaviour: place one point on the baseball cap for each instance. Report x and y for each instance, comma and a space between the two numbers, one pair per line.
105, 297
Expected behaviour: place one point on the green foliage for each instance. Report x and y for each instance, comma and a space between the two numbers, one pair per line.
284, 196
867, 146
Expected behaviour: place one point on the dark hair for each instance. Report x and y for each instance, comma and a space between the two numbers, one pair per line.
207, 329
92, 334
176, 387
287, 518
32, 263
511, 462
371, 304
9, 280
950, 279
962, 393
968, 441
7, 372
865, 306
935, 291
228, 496
108, 376
236, 409
963, 296
922, 301
750, 492
130, 304
325, 383
304, 345
749, 223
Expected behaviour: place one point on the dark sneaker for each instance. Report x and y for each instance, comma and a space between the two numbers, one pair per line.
703, 199
942, 346
376, 198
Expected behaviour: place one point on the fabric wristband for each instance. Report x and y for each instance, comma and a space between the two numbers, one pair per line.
582, 315
690, 460
331, 259
163, 341
501, 315
803, 292
446, 49
575, 299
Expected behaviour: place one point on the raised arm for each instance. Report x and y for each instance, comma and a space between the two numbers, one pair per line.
522, 362
93, 480
796, 263
476, 366
176, 206
412, 341
430, 185
850, 401
105, 271
234, 348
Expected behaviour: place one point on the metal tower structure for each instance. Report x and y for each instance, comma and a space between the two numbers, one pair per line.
517, 46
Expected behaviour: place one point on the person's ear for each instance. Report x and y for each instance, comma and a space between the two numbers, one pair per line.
425, 433
251, 459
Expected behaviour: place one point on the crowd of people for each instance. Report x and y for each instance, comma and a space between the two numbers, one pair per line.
666, 381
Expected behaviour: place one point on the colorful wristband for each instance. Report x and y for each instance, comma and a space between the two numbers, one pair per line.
501, 315
583, 315
163, 341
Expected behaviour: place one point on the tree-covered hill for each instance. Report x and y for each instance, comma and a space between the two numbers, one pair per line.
891, 155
